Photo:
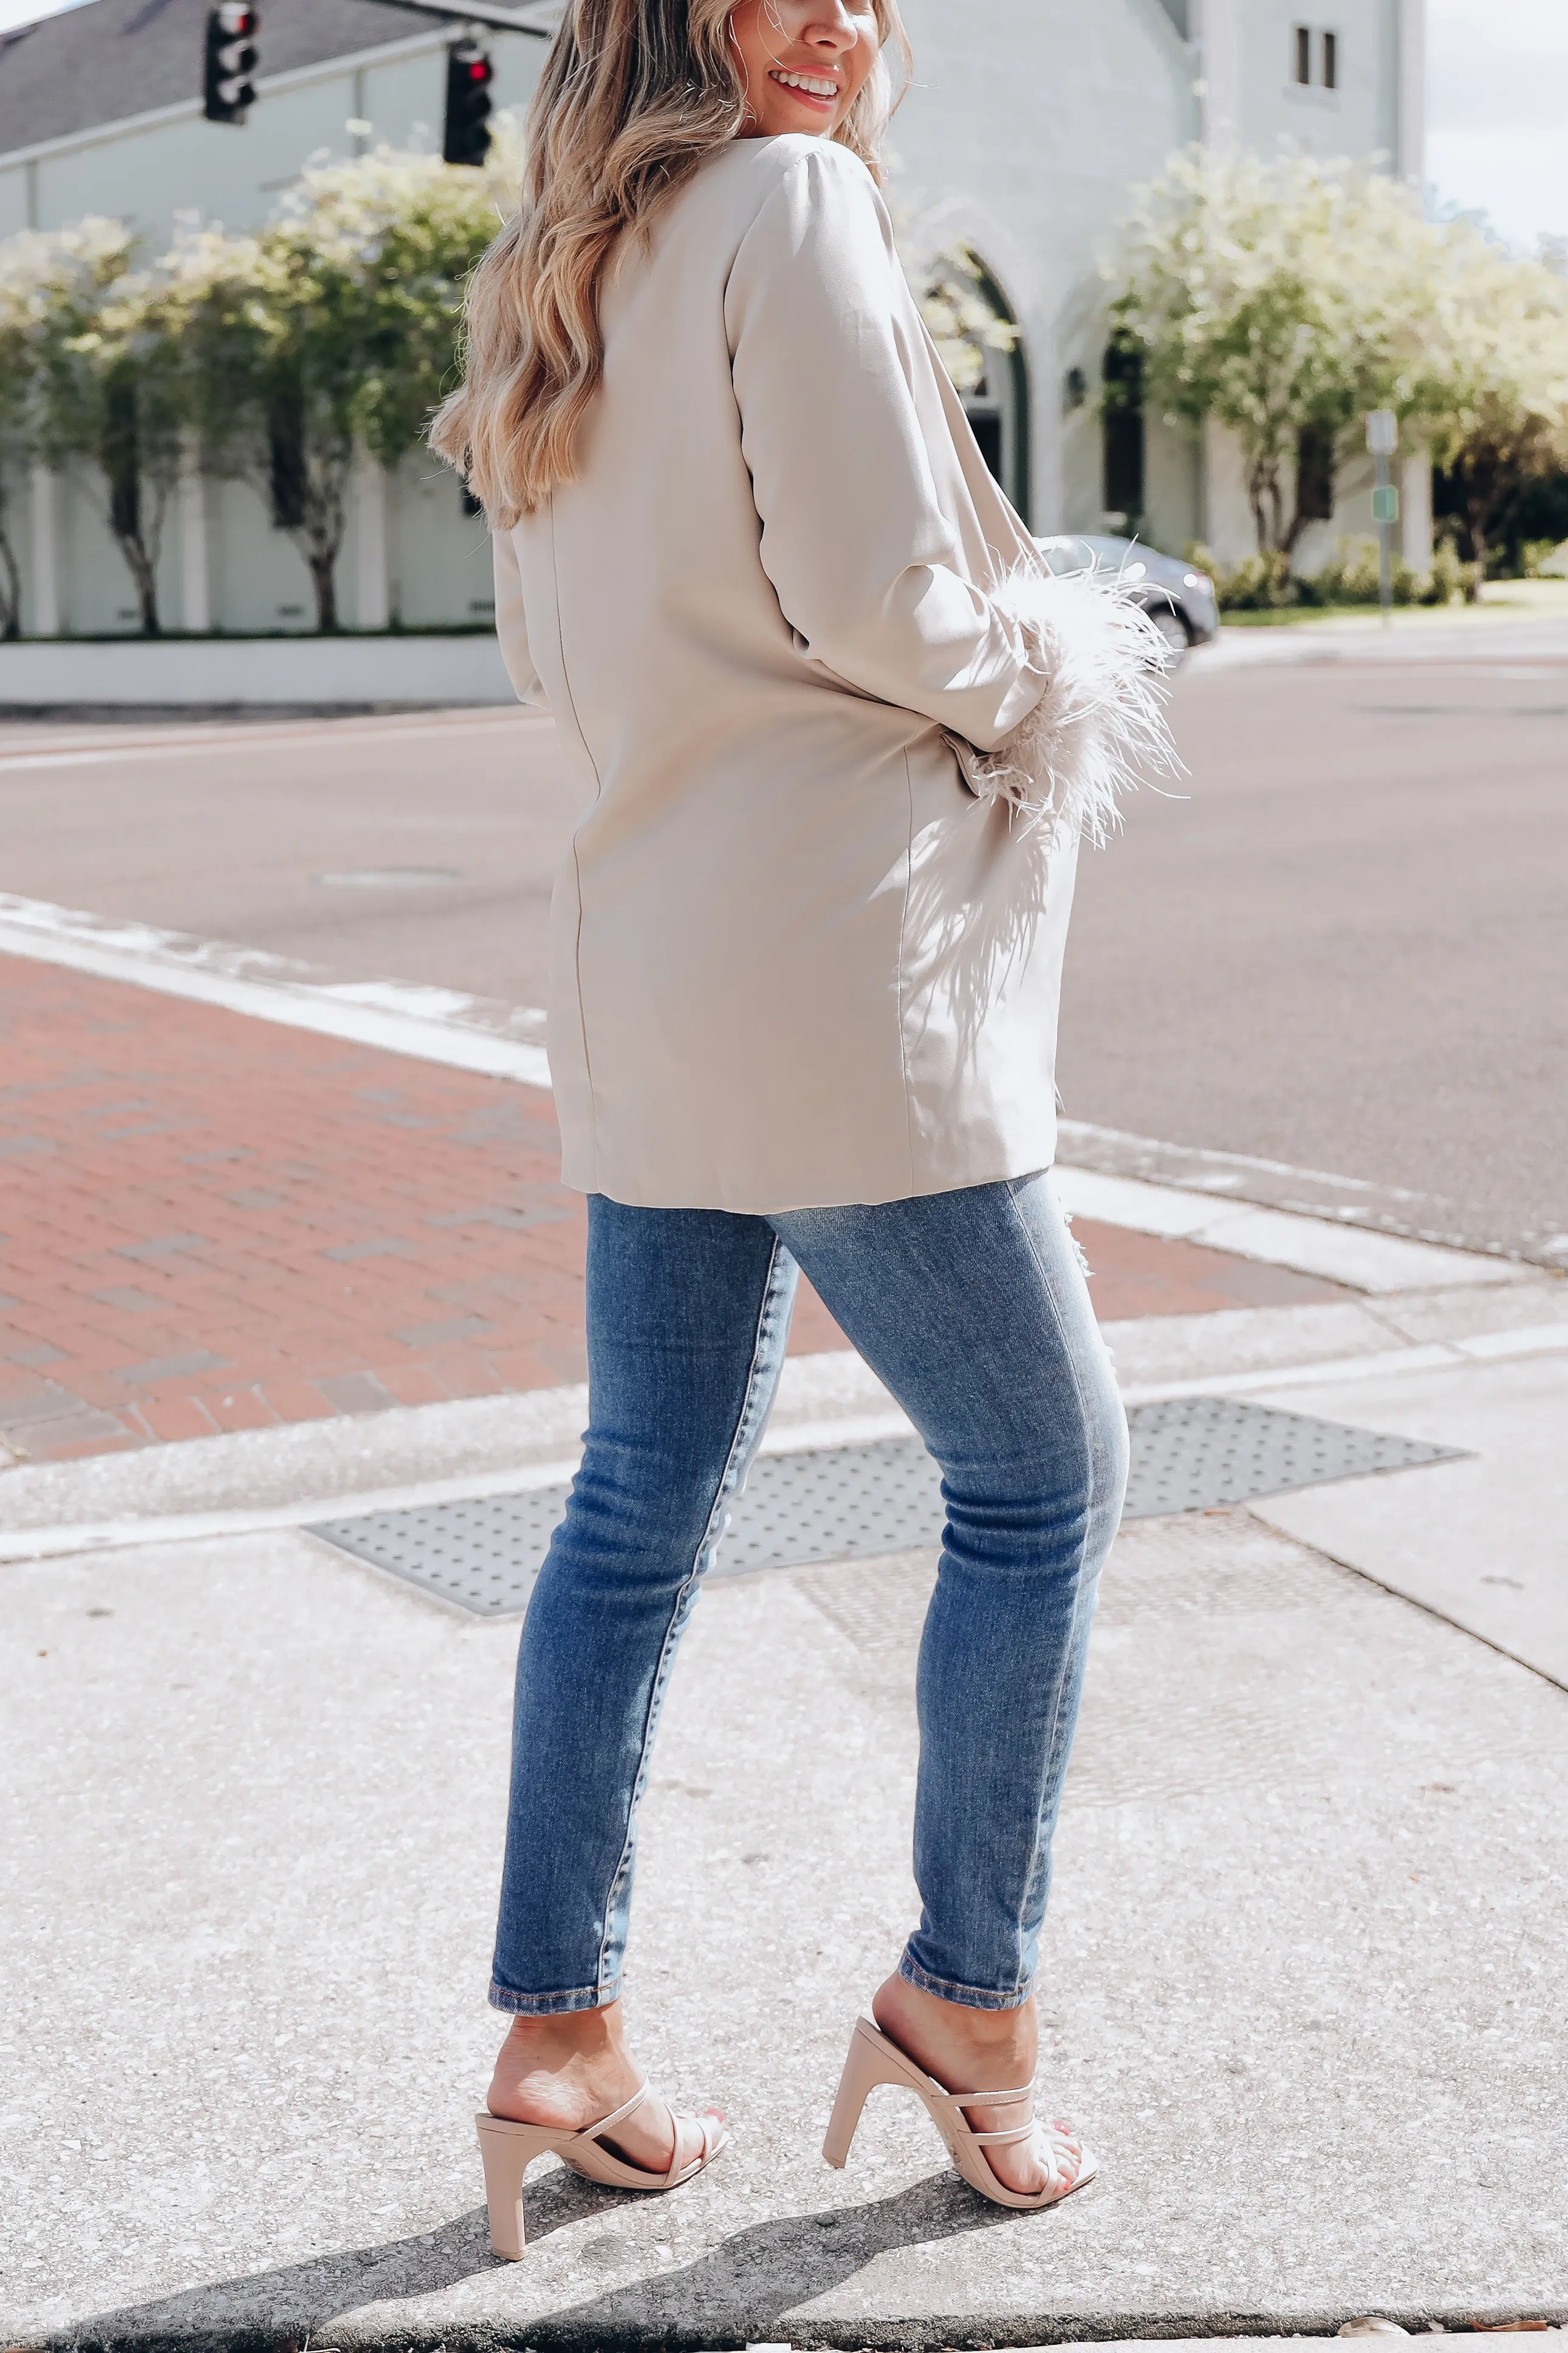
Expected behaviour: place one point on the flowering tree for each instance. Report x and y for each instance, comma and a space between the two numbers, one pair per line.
1284, 298
18, 376
1494, 339
96, 375
962, 319
1236, 280
336, 328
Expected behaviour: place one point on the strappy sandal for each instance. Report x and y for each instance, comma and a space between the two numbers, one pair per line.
874, 2058
509, 2148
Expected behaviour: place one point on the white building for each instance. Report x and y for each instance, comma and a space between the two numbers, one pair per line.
1027, 122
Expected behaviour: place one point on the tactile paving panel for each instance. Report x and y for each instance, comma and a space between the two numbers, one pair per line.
837, 1503
1191, 1453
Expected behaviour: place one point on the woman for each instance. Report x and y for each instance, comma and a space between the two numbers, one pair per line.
805, 962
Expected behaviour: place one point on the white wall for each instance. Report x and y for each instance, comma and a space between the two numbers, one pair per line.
1358, 119
1024, 128
392, 671
235, 172
441, 570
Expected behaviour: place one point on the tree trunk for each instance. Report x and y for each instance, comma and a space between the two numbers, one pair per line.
1263, 494
11, 595
1255, 492
1479, 513
140, 564
320, 537
1314, 483
134, 518
324, 580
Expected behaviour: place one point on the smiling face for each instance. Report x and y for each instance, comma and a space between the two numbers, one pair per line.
803, 61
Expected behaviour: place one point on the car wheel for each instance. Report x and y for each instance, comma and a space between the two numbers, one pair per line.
1173, 629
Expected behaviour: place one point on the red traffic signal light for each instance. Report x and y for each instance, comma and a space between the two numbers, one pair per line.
229, 82
469, 74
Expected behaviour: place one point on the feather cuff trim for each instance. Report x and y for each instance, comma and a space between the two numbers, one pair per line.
1098, 727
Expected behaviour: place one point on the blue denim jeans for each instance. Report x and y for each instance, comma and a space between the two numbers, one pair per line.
971, 1307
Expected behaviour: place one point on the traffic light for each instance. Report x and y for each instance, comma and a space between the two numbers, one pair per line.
230, 81
469, 74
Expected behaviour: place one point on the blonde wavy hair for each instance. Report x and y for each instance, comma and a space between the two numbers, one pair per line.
634, 95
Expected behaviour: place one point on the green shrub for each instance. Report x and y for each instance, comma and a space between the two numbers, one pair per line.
1448, 577
1259, 584
1264, 583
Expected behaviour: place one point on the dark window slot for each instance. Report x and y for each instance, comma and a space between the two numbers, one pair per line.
1122, 421
986, 426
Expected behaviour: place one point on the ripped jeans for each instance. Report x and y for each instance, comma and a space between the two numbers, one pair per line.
971, 1307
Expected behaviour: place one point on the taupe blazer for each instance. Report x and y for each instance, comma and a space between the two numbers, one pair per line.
795, 960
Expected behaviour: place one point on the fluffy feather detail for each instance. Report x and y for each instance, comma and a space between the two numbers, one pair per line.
1100, 725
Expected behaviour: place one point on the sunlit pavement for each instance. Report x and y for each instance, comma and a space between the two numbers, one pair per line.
1300, 1984
1301, 1981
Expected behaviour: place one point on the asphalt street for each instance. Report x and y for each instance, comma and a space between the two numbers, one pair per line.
1345, 948
418, 848
1339, 946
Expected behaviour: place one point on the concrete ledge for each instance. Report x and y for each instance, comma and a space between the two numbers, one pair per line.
246, 1480
171, 672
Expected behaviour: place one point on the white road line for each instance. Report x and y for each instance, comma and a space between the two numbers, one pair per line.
88, 735
1227, 1171
403, 1019
1339, 1253
197, 744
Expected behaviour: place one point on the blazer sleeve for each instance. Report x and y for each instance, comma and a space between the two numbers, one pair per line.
832, 373
511, 622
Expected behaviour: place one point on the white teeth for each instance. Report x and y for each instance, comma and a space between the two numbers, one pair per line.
805, 82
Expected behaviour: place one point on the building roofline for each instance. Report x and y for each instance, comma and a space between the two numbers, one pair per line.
99, 135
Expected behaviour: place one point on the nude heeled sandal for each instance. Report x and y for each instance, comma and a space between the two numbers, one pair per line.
509, 2149
874, 2058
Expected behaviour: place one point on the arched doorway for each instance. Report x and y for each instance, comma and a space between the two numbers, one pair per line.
998, 405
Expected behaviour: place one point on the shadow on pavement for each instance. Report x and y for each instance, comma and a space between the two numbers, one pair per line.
745, 2287
269, 2311
752, 2285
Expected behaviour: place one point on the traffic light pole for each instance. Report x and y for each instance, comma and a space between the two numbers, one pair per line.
540, 19
231, 65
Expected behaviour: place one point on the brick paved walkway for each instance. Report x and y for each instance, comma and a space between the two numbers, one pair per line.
212, 1223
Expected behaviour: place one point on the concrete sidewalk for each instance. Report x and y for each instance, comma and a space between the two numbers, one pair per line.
1303, 1983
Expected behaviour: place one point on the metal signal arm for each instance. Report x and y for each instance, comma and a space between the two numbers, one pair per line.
541, 18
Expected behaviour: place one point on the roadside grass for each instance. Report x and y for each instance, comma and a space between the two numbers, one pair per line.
1513, 600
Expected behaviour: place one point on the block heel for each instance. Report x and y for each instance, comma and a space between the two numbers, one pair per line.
508, 2150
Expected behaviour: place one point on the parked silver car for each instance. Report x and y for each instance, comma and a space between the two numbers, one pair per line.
1179, 600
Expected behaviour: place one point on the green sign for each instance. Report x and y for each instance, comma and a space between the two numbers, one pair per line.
1385, 503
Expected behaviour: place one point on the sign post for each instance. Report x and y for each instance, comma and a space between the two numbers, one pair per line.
1382, 439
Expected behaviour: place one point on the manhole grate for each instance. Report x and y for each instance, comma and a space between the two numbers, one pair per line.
838, 1503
